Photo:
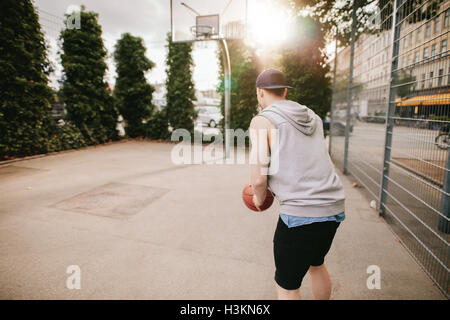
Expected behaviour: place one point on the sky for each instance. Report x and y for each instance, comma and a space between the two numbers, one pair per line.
148, 19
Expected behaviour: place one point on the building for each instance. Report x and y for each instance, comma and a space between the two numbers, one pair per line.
371, 76
421, 80
424, 66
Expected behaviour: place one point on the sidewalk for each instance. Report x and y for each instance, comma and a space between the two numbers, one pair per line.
140, 227
365, 239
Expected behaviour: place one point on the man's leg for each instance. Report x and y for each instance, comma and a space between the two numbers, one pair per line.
284, 294
320, 282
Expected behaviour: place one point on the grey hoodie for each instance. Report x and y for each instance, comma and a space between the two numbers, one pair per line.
303, 179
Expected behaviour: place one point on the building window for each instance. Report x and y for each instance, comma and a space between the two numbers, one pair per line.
416, 60
423, 81
443, 48
410, 60
419, 34
405, 42
431, 79
441, 74
428, 29
437, 21
447, 18
425, 53
433, 51
448, 77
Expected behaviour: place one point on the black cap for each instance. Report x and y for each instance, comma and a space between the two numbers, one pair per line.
271, 79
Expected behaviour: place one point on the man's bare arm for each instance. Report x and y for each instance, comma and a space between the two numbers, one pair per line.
259, 156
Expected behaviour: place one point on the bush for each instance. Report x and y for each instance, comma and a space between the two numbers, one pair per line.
245, 67
132, 93
441, 126
89, 103
180, 95
66, 137
157, 126
25, 115
440, 118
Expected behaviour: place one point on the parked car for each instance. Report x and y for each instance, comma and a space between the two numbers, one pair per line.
378, 117
339, 123
209, 115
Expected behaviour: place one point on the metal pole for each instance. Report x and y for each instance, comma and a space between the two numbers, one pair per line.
391, 105
444, 224
227, 87
350, 84
172, 33
334, 91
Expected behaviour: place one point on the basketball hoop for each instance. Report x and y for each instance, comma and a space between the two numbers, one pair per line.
200, 20
201, 32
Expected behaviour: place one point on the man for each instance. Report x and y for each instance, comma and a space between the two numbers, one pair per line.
289, 156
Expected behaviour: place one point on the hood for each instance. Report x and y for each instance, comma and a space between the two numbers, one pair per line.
300, 116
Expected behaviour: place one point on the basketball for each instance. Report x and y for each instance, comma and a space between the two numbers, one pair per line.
247, 196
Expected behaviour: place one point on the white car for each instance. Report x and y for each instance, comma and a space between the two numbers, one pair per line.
209, 115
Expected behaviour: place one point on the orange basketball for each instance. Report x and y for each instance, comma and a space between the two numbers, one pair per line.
247, 196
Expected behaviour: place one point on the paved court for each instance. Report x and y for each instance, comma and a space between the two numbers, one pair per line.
140, 227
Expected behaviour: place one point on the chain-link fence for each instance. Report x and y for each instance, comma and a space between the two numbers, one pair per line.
390, 121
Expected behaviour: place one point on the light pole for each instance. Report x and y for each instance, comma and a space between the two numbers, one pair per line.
227, 88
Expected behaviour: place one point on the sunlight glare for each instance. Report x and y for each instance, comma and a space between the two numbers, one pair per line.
267, 23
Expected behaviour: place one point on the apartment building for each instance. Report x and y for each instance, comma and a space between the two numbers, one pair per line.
423, 64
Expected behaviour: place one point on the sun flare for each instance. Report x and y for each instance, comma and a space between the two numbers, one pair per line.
268, 23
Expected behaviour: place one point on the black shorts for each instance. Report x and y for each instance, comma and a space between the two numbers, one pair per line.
296, 249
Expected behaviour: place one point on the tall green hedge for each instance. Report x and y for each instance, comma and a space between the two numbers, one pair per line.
245, 68
132, 93
180, 87
24, 93
90, 106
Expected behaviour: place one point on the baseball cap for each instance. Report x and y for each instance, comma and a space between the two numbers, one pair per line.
271, 79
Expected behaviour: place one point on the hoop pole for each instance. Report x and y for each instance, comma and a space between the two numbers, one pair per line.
227, 87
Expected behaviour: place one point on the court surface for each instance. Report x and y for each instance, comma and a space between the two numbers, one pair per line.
140, 227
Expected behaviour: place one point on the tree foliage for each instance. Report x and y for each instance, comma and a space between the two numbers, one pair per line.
373, 16
132, 92
305, 67
89, 104
157, 125
336, 16
24, 93
65, 137
180, 87
245, 68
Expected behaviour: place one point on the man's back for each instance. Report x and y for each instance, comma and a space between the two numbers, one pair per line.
301, 173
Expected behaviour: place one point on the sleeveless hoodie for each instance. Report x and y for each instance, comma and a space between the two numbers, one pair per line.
302, 176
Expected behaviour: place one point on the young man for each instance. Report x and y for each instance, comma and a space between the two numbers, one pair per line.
289, 156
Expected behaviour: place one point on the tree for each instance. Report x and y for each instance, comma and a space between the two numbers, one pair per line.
132, 92
180, 87
24, 93
157, 125
373, 16
333, 13
244, 71
89, 104
305, 67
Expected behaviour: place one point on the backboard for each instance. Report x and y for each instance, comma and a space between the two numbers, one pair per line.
197, 20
